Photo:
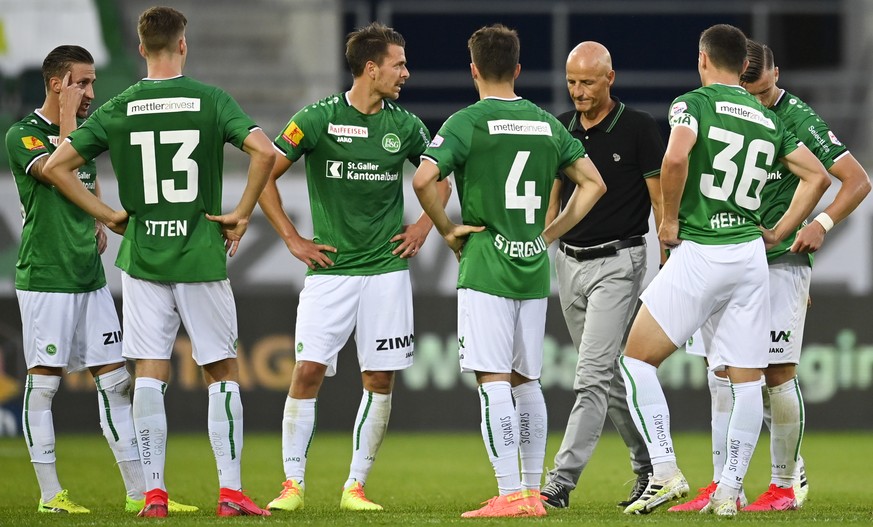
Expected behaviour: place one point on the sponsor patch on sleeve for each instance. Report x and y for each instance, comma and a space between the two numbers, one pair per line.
834, 139
436, 142
293, 134
678, 108
684, 119
32, 143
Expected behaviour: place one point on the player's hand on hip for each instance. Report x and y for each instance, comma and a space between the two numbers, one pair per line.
668, 234
311, 253
411, 239
809, 239
457, 237
769, 236
233, 226
118, 222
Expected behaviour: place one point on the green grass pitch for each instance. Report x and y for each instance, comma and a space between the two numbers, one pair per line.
421, 479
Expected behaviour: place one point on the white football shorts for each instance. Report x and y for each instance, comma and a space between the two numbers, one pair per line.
725, 286
501, 335
789, 297
378, 308
70, 330
153, 311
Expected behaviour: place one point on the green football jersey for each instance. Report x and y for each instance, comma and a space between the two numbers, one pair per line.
514, 146
781, 184
738, 142
354, 173
166, 141
58, 251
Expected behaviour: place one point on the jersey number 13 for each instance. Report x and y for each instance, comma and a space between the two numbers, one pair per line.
182, 162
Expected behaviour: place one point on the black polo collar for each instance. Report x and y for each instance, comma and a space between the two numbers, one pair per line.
606, 124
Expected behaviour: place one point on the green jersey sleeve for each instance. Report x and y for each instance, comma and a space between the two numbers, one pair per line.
421, 140
91, 139
301, 134
790, 142
24, 145
236, 123
451, 145
571, 148
818, 137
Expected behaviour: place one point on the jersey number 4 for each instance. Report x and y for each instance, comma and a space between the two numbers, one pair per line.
752, 174
529, 202
182, 162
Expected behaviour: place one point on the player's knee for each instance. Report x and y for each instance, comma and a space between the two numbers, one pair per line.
308, 375
378, 381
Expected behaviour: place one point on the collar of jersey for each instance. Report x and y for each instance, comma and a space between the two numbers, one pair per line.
164, 79
43, 117
607, 123
349, 103
780, 98
516, 98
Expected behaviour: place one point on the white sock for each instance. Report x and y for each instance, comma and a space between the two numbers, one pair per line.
371, 423
39, 431
500, 433
226, 432
798, 467
533, 425
298, 428
786, 431
722, 402
116, 421
743, 432
150, 419
648, 408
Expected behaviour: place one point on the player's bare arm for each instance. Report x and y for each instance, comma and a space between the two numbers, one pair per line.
653, 184
310, 253
855, 187
814, 181
674, 173
234, 225
425, 184
60, 171
99, 228
554, 201
69, 100
589, 188
413, 236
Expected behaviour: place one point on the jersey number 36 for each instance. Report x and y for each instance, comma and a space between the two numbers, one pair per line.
744, 195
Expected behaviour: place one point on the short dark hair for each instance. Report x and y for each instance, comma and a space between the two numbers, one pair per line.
760, 60
370, 43
59, 61
159, 28
726, 47
494, 50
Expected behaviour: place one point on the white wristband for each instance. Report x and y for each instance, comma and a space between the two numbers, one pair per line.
825, 221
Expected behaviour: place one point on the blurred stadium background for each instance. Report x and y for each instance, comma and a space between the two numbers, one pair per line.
274, 56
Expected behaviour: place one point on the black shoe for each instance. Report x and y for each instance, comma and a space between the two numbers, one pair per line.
556, 495
639, 487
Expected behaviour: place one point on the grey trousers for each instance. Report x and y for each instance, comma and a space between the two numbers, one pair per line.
598, 298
